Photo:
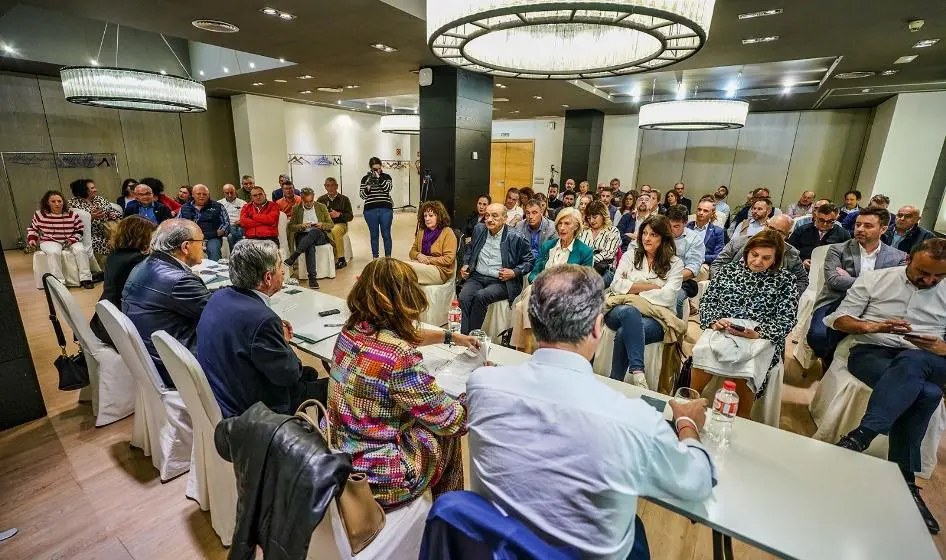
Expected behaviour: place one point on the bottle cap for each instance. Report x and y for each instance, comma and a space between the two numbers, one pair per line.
455, 302
729, 385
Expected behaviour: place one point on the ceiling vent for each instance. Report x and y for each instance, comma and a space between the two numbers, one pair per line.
215, 26
854, 75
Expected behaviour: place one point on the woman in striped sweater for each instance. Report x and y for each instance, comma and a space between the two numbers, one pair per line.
379, 208
56, 228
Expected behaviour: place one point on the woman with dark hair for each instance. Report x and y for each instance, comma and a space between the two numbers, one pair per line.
85, 197
56, 228
387, 412
379, 208
184, 195
655, 273
157, 189
670, 199
129, 243
603, 238
434, 253
525, 195
627, 225
128, 192
754, 288
478, 217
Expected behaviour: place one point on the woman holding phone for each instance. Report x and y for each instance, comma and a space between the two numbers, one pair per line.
379, 208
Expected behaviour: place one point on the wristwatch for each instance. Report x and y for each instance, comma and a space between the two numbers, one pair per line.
447, 338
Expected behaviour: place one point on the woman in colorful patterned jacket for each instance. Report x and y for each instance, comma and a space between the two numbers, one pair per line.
386, 410
86, 197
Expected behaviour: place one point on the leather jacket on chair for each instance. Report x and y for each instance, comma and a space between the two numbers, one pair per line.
286, 478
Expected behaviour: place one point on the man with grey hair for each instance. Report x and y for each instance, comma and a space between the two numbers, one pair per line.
146, 206
210, 216
163, 294
531, 425
280, 191
243, 346
233, 204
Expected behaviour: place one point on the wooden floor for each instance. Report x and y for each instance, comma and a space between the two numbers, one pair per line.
79, 492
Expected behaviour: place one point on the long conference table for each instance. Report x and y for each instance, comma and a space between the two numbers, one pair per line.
786, 494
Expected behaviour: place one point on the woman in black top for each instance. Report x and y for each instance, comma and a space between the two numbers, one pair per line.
131, 243
379, 208
478, 217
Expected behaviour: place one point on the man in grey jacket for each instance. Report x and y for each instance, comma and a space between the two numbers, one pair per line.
791, 260
843, 264
536, 228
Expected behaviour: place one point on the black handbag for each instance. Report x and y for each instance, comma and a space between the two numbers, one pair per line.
73, 370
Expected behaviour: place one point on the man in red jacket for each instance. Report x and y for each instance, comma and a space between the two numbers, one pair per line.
260, 218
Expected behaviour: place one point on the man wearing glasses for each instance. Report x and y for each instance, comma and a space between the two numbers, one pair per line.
163, 294
906, 233
823, 230
791, 259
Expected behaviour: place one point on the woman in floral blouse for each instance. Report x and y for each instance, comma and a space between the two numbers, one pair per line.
85, 197
754, 287
386, 410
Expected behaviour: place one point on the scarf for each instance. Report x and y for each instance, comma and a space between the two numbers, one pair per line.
430, 235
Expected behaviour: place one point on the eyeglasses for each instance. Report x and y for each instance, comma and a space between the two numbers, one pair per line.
203, 242
824, 222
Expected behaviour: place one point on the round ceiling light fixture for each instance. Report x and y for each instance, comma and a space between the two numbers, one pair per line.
694, 114
566, 39
215, 26
400, 124
137, 90
854, 75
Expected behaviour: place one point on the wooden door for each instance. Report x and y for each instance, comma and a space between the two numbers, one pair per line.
511, 165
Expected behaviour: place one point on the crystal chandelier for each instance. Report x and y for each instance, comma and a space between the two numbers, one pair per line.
124, 88
566, 39
400, 124
694, 114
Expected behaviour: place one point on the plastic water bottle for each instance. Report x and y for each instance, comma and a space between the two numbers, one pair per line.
454, 316
725, 406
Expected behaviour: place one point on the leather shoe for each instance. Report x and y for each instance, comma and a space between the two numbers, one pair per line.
314, 284
87, 284
848, 442
340, 263
928, 518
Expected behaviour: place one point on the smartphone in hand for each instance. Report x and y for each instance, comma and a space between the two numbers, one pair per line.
736, 327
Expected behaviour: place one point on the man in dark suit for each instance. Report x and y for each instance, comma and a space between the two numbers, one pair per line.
147, 207
907, 233
823, 230
498, 260
844, 263
680, 188
162, 294
243, 345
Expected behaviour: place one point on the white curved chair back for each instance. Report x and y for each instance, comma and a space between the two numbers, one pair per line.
721, 219
283, 235
130, 345
68, 310
439, 298
189, 379
816, 274
86, 229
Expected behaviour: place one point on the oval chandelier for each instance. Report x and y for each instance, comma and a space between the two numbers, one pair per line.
694, 114
138, 90
566, 39
400, 124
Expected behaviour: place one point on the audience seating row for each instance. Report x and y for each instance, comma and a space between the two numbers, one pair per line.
70, 269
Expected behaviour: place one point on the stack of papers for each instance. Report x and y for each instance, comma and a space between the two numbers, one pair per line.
452, 374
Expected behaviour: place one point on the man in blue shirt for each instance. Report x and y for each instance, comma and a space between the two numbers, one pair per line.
536, 228
690, 249
714, 238
210, 215
147, 207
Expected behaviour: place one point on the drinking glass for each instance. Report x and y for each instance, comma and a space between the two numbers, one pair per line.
686, 394
484, 341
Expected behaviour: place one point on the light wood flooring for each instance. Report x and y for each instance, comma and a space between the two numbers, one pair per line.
79, 492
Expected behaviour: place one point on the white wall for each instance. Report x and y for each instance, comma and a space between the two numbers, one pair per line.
548, 144
905, 143
619, 150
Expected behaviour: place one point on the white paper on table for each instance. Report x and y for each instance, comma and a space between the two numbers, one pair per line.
452, 375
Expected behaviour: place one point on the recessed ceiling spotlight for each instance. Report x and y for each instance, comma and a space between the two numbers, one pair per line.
889, 72
538, 97
925, 43
352, 86
763, 13
500, 100
331, 89
754, 40
280, 81
854, 75
282, 60
94, 62
286, 16
306, 91
565, 106
252, 65
201, 72
513, 112
501, 86
865, 90
906, 59
383, 48
163, 73
215, 26
305, 77
226, 70
257, 83
270, 11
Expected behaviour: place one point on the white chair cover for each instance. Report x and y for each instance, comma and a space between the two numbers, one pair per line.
111, 385
325, 256
768, 409
806, 308
721, 219
498, 319
162, 427
841, 400
211, 481
439, 298
70, 270
349, 254
400, 539
653, 359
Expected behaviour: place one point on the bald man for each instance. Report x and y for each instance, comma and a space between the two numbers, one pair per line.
232, 203
790, 261
493, 267
906, 233
210, 216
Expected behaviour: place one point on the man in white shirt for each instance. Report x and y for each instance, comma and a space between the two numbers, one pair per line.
898, 317
514, 212
232, 204
556, 448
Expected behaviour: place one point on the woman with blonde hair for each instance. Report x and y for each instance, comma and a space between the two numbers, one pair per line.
387, 412
567, 249
434, 252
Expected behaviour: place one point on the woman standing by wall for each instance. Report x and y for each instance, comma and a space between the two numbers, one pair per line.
379, 208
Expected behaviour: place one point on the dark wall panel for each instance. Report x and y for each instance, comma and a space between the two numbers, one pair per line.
581, 148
